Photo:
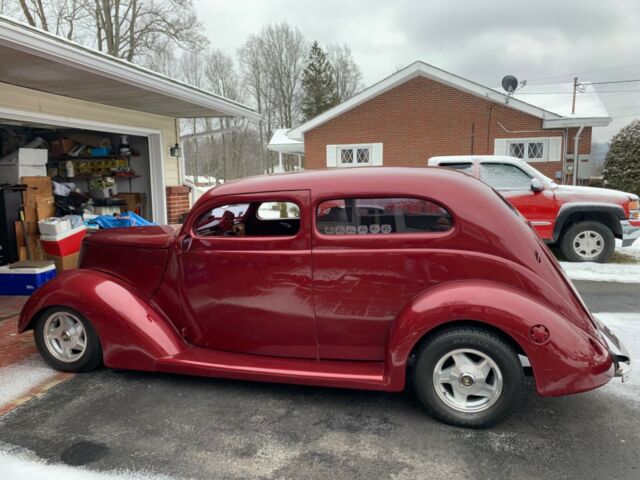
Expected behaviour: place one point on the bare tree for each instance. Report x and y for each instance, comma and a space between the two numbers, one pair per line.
272, 63
347, 75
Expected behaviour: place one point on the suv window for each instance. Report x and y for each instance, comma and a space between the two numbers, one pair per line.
503, 176
250, 219
362, 216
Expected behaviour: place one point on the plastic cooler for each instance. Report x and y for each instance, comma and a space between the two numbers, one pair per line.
65, 243
24, 281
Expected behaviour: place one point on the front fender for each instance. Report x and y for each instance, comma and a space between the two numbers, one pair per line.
132, 331
570, 361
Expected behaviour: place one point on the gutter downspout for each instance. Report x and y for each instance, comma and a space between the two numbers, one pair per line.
576, 155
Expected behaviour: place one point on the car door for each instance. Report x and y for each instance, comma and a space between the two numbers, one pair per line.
245, 277
513, 183
371, 255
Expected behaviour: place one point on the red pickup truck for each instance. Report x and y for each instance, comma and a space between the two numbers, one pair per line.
583, 221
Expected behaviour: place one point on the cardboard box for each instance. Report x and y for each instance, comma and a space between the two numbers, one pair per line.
61, 146
68, 262
136, 202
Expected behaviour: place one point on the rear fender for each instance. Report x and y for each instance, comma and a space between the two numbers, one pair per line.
132, 331
566, 363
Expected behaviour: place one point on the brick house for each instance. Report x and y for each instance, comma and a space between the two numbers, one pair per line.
422, 111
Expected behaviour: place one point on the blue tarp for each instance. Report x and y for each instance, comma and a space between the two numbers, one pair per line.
126, 219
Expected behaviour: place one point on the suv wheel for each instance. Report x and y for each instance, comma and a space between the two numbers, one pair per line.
468, 377
587, 241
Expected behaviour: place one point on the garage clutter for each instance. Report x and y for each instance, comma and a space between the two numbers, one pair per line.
53, 193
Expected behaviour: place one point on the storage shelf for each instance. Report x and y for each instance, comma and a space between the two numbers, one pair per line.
92, 177
89, 157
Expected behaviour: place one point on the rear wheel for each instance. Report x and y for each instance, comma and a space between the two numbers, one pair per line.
67, 341
468, 377
587, 241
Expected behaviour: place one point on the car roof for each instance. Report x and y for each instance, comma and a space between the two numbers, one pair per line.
344, 180
473, 158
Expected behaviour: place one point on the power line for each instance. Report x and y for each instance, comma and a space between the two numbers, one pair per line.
612, 81
582, 93
582, 73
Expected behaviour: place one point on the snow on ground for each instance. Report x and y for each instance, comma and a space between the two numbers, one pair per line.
626, 326
607, 272
20, 378
24, 467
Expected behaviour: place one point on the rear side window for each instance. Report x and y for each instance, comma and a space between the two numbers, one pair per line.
464, 166
255, 219
366, 216
503, 176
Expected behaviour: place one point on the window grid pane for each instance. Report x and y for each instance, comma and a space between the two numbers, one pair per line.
346, 155
362, 155
516, 150
535, 150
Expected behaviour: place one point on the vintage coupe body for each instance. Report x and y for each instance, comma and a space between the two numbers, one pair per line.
351, 278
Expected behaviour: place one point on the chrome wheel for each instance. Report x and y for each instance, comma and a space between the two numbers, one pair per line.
65, 337
588, 244
467, 380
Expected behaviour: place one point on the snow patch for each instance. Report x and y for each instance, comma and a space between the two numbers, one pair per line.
21, 467
18, 379
607, 272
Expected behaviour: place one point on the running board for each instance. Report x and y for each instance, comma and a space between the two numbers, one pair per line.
327, 373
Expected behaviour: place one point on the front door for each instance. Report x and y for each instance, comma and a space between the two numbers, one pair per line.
514, 184
246, 278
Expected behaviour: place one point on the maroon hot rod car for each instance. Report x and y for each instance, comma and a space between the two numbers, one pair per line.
349, 278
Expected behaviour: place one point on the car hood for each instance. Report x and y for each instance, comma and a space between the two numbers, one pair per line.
142, 237
586, 194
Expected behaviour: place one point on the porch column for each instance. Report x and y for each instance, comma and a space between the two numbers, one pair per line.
280, 167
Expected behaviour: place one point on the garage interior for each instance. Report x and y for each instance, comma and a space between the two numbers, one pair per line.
65, 171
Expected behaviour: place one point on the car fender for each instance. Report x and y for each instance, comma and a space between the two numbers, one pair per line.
568, 209
559, 363
132, 331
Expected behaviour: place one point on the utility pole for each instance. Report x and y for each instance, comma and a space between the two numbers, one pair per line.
575, 88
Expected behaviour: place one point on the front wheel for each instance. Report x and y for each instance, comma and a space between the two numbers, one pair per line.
588, 242
67, 341
468, 377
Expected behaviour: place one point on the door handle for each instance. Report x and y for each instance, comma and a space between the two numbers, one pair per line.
185, 243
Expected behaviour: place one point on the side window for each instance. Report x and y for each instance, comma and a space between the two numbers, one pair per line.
503, 176
363, 216
464, 166
255, 219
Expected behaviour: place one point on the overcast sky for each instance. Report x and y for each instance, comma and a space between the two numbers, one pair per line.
483, 40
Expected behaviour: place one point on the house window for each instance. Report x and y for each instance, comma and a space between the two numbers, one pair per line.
354, 156
534, 150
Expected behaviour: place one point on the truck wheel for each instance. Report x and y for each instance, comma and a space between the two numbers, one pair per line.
587, 241
67, 341
468, 377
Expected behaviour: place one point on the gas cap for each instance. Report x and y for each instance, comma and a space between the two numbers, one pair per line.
539, 334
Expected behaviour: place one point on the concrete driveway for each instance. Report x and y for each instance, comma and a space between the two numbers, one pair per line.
190, 427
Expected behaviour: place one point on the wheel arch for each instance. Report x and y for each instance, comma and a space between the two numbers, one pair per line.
132, 332
607, 214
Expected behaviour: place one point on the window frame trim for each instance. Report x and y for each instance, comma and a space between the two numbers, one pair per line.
353, 147
399, 236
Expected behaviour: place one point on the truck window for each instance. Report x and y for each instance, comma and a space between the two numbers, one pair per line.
464, 166
503, 176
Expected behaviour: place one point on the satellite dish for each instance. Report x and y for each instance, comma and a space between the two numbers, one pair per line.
510, 83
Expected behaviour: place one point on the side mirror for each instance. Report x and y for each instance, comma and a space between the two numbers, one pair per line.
536, 185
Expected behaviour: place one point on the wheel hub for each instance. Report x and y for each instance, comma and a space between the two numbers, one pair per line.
65, 337
467, 380
588, 244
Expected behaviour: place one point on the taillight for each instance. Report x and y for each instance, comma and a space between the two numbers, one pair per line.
634, 210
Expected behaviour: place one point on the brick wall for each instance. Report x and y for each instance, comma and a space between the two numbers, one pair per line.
178, 199
422, 118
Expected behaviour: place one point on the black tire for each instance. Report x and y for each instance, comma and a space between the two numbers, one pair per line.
475, 339
573, 233
89, 359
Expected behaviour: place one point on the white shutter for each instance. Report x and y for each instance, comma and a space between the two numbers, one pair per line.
555, 149
500, 146
331, 156
376, 154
